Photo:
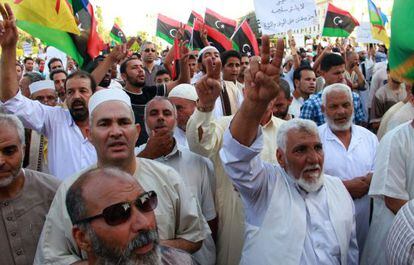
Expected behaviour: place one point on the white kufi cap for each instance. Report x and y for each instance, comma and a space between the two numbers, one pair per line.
108, 94
41, 85
185, 91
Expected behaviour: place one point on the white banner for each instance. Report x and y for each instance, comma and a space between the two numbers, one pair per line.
363, 33
279, 16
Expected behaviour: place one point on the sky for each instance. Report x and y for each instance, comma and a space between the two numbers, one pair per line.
139, 15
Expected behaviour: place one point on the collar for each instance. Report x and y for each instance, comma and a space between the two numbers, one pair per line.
174, 153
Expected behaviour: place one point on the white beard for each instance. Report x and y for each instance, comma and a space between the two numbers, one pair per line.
335, 127
310, 186
6, 181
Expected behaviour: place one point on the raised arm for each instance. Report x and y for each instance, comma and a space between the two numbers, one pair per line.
8, 40
262, 86
184, 76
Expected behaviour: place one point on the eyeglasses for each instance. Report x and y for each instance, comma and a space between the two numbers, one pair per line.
148, 50
119, 213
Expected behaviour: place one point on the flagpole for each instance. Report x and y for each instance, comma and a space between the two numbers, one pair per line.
237, 29
192, 34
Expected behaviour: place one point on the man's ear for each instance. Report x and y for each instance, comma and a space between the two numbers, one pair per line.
280, 156
82, 239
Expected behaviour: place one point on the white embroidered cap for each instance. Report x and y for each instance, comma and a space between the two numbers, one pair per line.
108, 94
185, 91
41, 85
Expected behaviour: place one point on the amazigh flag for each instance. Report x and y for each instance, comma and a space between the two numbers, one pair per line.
194, 15
338, 23
222, 24
82, 48
245, 41
117, 34
214, 37
167, 28
401, 53
377, 24
55, 14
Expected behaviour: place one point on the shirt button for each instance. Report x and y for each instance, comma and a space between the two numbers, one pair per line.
19, 252
9, 218
13, 234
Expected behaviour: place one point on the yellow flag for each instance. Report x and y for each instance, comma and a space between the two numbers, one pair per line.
56, 14
379, 33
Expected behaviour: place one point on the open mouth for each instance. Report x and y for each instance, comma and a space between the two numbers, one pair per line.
145, 249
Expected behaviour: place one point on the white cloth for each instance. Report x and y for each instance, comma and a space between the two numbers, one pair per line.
185, 91
105, 95
393, 177
379, 79
382, 130
230, 236
404, 114
284, 223
68, 151
180, 137
196, 171
115, 84
41, 85
356, 161
178, 214
294, 108
235, 100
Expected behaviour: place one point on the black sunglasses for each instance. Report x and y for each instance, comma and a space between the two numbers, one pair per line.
120, 212
148, 50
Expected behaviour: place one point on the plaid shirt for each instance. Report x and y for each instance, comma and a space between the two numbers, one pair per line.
312, 110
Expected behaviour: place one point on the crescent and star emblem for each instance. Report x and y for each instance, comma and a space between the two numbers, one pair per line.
219, 24
173, 32
337, 21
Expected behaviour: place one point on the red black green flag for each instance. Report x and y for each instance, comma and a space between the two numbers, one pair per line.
338, 22
194, 15
168, 27
117, 34
245, 41
214, 37
222, 24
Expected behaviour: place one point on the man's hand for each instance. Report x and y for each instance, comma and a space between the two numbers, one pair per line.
8, 29
357, 187
160, 143
262, 78
209, 87
119, 52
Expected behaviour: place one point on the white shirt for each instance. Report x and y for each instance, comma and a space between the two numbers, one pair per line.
256, 182
393, 177
356, 161
294, 108
68, 151
404, 114
196, 171
180, 137
178, 214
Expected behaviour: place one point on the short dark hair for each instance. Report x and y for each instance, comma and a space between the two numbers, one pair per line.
124, 65
82, 74
192, 56
297, 74
33, 76
57, 71
27, 59
54, 59
162, 71
331, 60
20, 65
285, 88
226, 55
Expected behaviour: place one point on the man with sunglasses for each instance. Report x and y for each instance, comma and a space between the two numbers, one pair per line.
114, 220
149, 54
113, 134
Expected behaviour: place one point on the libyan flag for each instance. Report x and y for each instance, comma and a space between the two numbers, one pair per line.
401, 53
117, 34
167, 28
222, 24
193, 16
245, 41
214, 37
338, 23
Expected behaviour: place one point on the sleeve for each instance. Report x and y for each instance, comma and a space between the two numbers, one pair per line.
32, 113
210, 142
251, 176
207, 203
56, 245
307, 111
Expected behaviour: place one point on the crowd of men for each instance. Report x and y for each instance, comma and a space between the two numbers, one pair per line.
301, 155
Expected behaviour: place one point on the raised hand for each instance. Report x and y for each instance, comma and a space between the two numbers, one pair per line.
209, 87
119, 52
8, 30
159, 143
262, 78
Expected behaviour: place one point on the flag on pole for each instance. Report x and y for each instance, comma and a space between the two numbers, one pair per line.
117, 34
338, 22
245, 41
167, 28
377, 24
401, 53
55, 14
222, 24
194, 15
214, 37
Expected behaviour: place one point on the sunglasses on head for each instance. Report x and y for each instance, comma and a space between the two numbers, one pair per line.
148, 50
120, 212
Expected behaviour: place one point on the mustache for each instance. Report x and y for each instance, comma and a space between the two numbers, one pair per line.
144, 238
311, 167
79, 101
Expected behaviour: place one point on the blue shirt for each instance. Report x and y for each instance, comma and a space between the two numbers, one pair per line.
312, 109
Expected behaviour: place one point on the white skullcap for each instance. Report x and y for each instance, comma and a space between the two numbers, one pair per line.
359, 49
309, 54
185, 91
41, 85
108, 94
203, 50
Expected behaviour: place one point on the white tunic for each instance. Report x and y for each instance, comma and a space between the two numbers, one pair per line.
284, 224
356, 161
393, 177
